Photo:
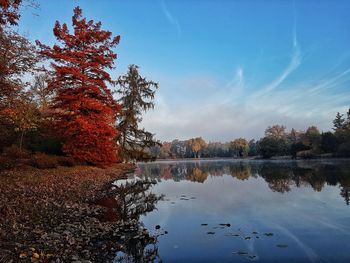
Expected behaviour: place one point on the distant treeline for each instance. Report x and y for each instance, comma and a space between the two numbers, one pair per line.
276, 142
281, 177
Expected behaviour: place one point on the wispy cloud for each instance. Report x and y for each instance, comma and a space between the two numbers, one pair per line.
170, 17
331, 82
294, 63
235, 86
292, 66
223, 109
228, 114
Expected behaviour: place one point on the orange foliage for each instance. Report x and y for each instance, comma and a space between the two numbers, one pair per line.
9, 12
84, 108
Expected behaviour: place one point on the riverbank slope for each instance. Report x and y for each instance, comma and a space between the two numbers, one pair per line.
49, 214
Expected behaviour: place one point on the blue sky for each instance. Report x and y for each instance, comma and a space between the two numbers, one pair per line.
226, 69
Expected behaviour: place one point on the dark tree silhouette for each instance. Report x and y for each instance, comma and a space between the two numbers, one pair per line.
338, 122
137, 94
127, 202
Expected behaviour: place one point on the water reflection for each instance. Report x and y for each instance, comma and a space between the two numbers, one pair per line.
216, 211
281, 177
239, 211
127, 200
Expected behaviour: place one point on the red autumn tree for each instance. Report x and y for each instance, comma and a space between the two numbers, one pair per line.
84, 108
9, 12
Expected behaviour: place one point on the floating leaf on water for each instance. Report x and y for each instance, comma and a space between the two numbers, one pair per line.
268, 234
281, 245
240, 253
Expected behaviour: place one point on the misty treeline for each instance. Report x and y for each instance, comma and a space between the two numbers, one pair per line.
278, 141
61, 101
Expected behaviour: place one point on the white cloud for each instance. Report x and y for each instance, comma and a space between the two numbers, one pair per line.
222, 115
169, 16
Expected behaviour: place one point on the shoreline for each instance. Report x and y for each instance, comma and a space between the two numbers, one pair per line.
249, 159
51, 215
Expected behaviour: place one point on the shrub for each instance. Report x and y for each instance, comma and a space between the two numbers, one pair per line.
43, 161
43, 141
66, 161
6, 163
14, 152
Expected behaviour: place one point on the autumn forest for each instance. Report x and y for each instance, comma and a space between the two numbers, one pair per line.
70, 108
84, 178
75, 109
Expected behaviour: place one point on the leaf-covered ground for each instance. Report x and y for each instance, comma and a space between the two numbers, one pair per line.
49, 215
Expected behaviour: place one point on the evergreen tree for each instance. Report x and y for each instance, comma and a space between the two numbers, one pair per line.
338, 122
137, 96
347, 121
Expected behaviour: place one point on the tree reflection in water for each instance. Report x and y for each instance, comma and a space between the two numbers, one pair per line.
126, 202
281, 177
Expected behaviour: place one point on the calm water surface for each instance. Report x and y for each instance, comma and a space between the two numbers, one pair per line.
241, 211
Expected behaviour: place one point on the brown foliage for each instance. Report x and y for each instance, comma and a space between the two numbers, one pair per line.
38, 204
6, 163
276, 131
14, 152
17, 57
43, 161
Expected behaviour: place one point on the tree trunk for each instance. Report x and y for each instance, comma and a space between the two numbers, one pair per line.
21, 142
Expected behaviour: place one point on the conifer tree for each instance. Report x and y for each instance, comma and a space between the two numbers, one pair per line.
137, 94
84, 108
338, 122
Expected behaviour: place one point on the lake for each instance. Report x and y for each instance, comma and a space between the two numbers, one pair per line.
239, 211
